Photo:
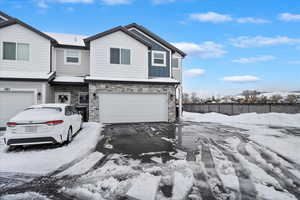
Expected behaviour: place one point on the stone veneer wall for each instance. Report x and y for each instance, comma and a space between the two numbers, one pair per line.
97, 87
74, 89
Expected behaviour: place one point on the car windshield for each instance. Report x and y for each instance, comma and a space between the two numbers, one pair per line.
44, 109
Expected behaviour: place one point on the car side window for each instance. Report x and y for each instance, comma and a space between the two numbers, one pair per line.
74, 109
68, 111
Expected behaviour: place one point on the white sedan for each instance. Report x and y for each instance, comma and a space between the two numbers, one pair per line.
42, 124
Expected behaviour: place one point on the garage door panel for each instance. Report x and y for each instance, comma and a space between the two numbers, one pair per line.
12, 102
120, 108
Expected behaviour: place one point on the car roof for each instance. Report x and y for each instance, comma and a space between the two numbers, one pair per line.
54, 105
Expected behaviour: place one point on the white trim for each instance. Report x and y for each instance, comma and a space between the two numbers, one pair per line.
35, 91
151, 39
82, 93
72, 63
160, 52
44, 93
115, 47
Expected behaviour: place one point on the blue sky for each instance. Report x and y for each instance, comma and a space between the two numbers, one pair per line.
233, 45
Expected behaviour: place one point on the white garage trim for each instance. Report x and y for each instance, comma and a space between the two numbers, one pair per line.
132, 107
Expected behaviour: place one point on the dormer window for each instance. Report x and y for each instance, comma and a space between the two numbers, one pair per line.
15, 51
159, 58
72, 57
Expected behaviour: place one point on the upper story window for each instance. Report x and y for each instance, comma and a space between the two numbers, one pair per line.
120, 56
175, 63
72, 57
159, 58
15, 51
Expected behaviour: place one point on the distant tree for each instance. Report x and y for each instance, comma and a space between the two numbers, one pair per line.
250, 95
291, 98
195, 98
276, 98
186, 98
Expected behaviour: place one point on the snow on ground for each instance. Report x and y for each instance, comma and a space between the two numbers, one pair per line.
23, 196
83, 166
267, 129
44, 161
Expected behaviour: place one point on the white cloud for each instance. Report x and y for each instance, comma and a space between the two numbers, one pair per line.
74, 1
194, 72
258, 41
42, 4
116, 2
254, 59
206, 49
252, 20
211, 17
289, 17
162, 1
294, 62
241, 79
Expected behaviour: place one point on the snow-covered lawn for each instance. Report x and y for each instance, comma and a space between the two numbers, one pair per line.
268, 129
43, 161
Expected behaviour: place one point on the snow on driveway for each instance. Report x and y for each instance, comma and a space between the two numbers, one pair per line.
43, 161
272, 130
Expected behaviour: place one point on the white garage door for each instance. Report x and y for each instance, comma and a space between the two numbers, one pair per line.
122, 108
12, 102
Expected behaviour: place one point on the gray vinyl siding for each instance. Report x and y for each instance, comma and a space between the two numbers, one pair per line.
72, 70
156, 71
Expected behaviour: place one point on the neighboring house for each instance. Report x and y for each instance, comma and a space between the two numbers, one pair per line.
125, 74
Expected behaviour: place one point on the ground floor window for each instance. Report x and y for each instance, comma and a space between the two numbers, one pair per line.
83, 98
63, 97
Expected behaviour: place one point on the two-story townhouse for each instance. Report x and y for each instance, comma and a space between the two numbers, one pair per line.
125, 74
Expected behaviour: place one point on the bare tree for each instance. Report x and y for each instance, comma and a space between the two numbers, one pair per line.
186, 98
250, 95
195, 98
276, 98
291, 98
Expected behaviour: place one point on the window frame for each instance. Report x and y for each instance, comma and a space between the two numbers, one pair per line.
16, 51
80, 94
164, 64
72, 63
120, 55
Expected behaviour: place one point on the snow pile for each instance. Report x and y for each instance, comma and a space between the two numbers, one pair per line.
275, 119
46, 161
145, 187
26, 195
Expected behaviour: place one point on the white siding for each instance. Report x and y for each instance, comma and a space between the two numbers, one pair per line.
39, 60
100, 57
71, 70
177, 72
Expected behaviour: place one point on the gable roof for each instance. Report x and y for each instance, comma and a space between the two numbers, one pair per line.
113, 30
12, 21
5, 15
155, 37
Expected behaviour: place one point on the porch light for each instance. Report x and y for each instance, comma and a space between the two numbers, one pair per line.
39, 96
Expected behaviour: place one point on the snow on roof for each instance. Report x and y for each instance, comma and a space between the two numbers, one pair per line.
68, 79
68, 39
150, 80
25, 75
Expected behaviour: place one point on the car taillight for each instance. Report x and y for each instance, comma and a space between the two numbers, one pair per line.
55, 122
11, 124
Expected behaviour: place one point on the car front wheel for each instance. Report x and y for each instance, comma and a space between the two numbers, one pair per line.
69, 139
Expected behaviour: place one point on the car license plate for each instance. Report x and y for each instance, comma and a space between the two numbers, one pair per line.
30, 129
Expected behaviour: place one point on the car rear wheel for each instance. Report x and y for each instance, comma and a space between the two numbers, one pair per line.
69, 139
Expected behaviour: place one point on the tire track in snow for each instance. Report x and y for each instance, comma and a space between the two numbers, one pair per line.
247, 187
